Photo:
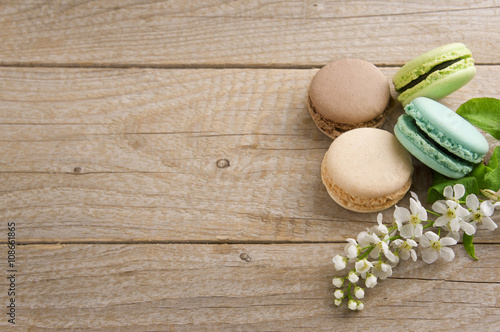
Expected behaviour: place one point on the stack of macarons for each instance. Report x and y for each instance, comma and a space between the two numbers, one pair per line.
367, 169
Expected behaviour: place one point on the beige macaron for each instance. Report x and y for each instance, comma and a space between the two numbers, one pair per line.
348, 94
367, 170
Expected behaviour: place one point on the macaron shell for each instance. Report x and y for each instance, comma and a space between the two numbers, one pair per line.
367, 169
441, 83
349, 91
426, 61
427, 152
361, 204
448, 129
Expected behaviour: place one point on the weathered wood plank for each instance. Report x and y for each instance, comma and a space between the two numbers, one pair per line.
131, 155
90, 33
241, 287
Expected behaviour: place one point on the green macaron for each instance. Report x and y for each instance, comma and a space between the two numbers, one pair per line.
435, 74
440, 138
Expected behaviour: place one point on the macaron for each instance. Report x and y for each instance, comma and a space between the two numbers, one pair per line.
367, 170
348, 94
435, 74
440, 138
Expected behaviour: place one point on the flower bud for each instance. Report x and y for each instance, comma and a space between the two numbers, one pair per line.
353, 277
352, 304
360, 306
339, 262
338, 282
339, 294
370, 281
337, 302
359, 292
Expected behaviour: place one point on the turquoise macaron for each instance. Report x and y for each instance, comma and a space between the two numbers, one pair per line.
435, 74
440, 138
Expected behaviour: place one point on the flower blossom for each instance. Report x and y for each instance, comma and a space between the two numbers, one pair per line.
435, 247
412, 220
405, 249
381, 246
480, 214
452, 214
381, 270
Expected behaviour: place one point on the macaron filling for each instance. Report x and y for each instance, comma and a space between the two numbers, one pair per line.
424, 76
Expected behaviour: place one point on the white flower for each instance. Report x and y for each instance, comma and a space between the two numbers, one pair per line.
405, 249
352, 304
338, 302
380, 229
452, 214
454, 194
339, 294
360, 306
480, 214
435, 247
353, 277
351, 249
412, 220
381, 270
363, 266
363, 239
339, 262
382, 246
370, 281
338, 282
359, 292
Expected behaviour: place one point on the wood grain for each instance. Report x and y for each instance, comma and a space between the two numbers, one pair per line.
229, 34
131, 155
242, 287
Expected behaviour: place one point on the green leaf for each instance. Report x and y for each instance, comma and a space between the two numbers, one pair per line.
469, 245
481, 177
435, 192
484, 113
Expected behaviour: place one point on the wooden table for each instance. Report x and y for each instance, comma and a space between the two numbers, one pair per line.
163, 173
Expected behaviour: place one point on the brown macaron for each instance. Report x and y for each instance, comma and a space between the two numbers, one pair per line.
348, 94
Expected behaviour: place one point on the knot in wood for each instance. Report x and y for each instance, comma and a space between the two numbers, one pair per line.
223, 163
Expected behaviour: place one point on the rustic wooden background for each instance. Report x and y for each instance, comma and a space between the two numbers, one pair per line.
162, 169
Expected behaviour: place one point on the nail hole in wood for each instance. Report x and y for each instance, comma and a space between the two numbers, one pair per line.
244, 256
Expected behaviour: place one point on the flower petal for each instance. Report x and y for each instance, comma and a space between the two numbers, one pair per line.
407, 231
432, 236
489, 223
402, 214
447, 241
468, 228
439, 207
429, 255
459, 190
448, 192
472, 202
487, 208
424, 242
447, 254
